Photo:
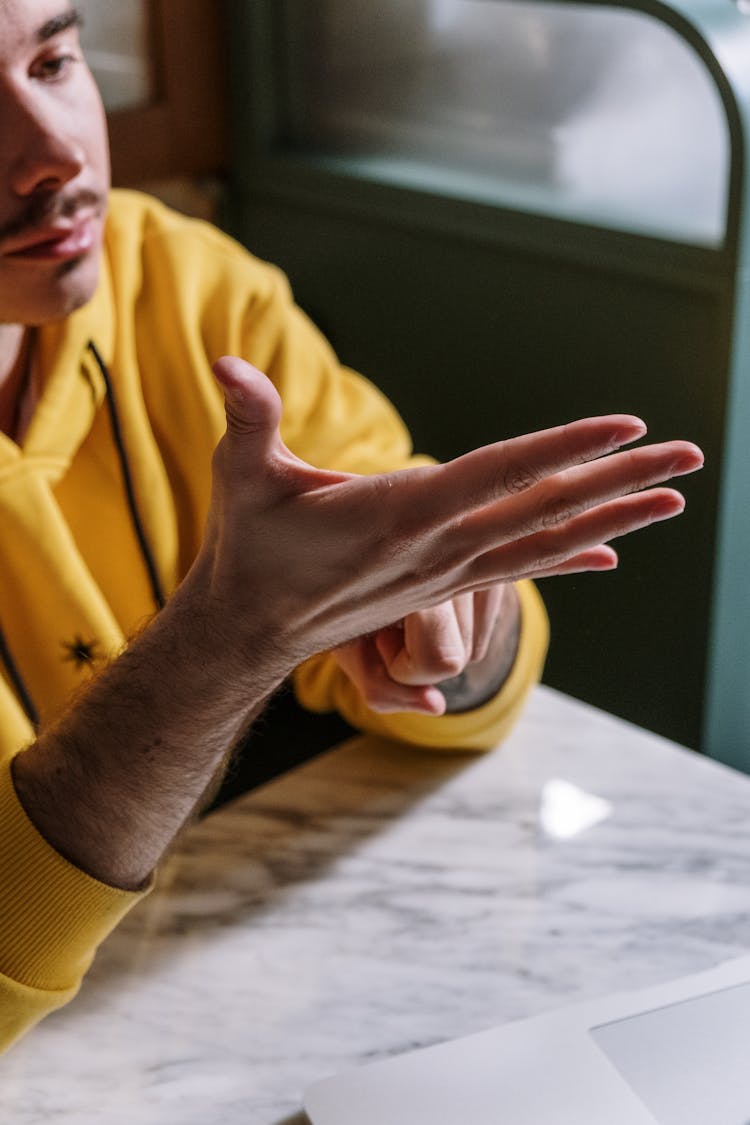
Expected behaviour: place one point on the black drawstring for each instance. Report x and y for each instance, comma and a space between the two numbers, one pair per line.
157, 591
148, 558
16, 679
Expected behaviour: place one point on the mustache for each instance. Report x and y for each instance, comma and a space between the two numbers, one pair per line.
44, 209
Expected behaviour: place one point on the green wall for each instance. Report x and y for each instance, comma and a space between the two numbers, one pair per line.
476, 339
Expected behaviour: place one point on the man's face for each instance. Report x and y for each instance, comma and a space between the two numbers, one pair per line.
54, 164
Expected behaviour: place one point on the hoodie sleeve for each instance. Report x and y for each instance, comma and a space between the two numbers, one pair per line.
52, 920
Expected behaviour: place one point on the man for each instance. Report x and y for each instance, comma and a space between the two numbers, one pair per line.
109, 416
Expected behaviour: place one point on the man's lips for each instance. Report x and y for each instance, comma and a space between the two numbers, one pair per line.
58, 241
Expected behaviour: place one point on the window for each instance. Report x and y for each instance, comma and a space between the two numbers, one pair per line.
596, 114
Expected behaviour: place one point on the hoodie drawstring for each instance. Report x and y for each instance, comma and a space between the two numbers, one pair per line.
114, 415
17, 681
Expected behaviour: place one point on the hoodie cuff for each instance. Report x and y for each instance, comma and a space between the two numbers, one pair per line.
53, 916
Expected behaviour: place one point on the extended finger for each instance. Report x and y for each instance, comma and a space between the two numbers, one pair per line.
553, 548
564, 496
596, 559
506, 468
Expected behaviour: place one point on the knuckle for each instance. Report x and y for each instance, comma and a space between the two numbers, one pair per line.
550, 551
442, 658
247, 424
449, 665
514, 478
550, 560
557, 510
439, 664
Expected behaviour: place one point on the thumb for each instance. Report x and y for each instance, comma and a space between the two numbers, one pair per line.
252, 439
252, 404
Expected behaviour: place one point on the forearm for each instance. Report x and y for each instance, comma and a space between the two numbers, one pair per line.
113, 781
480, 681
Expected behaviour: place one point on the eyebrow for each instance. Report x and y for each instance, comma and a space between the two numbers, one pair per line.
58, 24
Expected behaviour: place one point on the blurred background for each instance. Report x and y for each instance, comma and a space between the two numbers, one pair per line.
507, 215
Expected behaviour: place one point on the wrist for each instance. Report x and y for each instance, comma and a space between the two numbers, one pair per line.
233, 636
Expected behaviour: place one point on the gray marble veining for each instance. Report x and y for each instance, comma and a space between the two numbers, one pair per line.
383, 898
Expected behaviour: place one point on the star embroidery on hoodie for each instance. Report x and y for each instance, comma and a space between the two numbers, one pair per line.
80, 652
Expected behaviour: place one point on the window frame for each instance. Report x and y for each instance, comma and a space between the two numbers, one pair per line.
182, 131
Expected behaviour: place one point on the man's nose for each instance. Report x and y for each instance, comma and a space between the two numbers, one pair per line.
47, 154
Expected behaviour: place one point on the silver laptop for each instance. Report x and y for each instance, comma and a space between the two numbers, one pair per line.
678, 1054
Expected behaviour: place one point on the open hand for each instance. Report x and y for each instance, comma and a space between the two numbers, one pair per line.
310, 560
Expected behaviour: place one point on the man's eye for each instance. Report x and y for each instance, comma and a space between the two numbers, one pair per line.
55, 67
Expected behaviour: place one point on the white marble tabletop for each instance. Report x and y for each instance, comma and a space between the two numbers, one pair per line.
382, 898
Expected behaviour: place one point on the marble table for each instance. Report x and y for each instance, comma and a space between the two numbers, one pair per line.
382, 898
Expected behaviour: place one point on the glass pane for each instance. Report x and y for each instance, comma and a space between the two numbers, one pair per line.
596, 114
116, 41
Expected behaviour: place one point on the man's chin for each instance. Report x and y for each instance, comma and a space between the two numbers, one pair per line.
79, 283
72, 287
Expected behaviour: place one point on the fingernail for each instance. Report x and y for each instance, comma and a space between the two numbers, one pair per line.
630, 431
610, 564
689, 463
667, 507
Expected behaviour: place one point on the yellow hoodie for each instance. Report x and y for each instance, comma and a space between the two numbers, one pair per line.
174, 295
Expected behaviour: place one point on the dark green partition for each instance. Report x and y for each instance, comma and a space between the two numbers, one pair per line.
482, 318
